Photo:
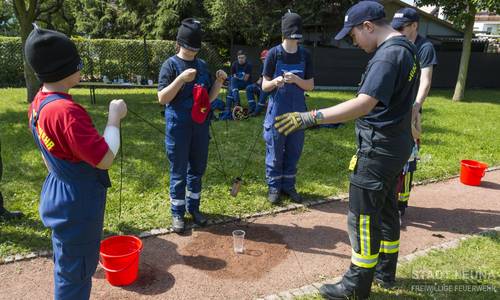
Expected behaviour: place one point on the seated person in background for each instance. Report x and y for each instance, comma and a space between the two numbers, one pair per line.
241, 71
256, 89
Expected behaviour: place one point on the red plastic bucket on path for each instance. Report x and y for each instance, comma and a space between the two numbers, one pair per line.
472, 171
120, 259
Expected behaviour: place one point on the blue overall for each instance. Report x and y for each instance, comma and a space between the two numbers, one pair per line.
236, 84
252, 90
186, 145
217, 104
72, 205
283, 152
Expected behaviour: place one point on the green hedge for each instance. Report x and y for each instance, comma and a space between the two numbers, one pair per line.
11, 62
114, 58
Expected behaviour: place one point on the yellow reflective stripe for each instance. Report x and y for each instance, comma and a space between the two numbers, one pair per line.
389, 243
364, 234
389, 251
404, 197
368, 251
389, 247
361, 241
364, 261
407, 183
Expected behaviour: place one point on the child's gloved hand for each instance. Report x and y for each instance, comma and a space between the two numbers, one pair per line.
188, 75
291, 122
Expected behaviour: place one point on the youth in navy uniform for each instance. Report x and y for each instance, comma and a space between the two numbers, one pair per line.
406, 21
241, 71
73, 195
241, 75
183, 87
256, 89
288, 72
383, 109
4, 213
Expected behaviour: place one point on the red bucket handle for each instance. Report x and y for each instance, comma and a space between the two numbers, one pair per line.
117, 271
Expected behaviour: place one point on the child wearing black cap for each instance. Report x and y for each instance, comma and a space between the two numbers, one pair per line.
382, 109
287, 73
185, 87
77, 157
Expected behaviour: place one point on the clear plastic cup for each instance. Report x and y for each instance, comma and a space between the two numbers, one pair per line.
239, 241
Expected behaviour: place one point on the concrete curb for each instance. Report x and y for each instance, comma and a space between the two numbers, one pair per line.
226, 220
313, 288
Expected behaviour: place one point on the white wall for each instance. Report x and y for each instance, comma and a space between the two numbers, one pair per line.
492, 26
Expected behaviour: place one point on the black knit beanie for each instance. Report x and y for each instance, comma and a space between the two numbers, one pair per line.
291, 26
51, 54
189, 34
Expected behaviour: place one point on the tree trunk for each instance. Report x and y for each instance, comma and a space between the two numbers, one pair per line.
32, 83
464, 60
26, 16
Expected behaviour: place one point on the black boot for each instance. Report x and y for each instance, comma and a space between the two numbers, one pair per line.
5, 214
358, 281
293, 195
335, 291
199, 219
385, 274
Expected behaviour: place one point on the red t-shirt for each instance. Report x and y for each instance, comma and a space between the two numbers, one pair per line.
66, 130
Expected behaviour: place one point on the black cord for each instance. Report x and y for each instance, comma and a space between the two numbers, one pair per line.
219, 156
121, 174
146, 121
250, 154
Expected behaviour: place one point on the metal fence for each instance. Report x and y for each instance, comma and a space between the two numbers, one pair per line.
343, 67
114, 60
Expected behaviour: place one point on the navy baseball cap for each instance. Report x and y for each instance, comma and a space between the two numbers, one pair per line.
359, 13
403, 16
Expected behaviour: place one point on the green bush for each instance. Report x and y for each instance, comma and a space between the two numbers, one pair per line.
114, 58
11, 62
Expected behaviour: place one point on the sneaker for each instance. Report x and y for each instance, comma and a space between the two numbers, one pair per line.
199, 219
273, 196
178, 224
293, 195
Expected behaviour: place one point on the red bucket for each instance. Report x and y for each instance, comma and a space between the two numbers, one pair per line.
120, 259
472, 171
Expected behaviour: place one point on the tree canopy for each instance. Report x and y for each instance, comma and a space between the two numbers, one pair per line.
254, 22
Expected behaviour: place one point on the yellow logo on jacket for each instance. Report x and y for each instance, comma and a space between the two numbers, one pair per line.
45, 138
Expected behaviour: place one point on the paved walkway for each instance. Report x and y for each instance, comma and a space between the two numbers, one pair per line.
284, 251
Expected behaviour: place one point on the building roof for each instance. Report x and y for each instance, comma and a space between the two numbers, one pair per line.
487, 17
424, 13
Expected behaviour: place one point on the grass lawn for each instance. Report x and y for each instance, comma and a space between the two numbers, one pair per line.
452, 131
439, 276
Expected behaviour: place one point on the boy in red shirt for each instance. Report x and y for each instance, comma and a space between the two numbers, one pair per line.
73, 195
